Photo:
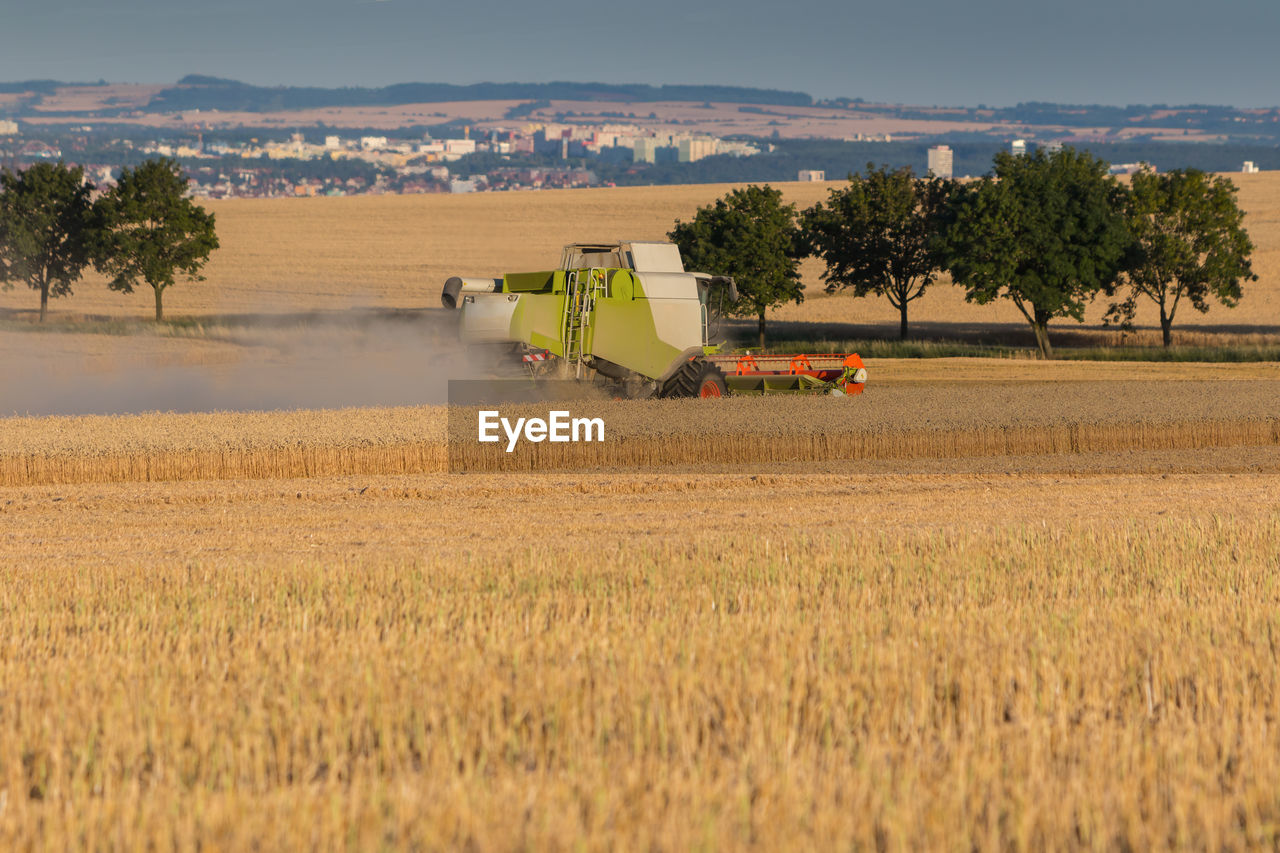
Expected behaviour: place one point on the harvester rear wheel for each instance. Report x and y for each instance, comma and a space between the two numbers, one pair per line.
696, 378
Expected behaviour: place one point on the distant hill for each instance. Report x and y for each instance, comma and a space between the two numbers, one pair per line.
1208, 118
214, 93
43, 87
101, 103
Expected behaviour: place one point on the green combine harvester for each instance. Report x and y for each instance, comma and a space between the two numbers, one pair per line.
627, 315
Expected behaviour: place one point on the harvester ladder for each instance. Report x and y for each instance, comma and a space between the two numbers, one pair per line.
581, 300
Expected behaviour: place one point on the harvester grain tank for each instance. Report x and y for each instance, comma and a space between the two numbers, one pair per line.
629, 316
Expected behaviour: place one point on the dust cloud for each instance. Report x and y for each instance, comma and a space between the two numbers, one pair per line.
348, 359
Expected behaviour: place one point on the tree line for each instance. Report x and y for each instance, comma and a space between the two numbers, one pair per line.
142, 231
1049, 232
215, 93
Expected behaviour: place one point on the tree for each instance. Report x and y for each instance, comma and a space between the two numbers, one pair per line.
750, 235
46, 227
876, 235
1188, 242
152, 231
1047, 233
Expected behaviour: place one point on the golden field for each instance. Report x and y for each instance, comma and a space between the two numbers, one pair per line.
287, 255
926, 418
604, 661
990, 603
1025, 613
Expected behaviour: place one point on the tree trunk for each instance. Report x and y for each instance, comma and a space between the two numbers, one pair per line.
1041, 328
902, 328
44, 300
1166, 327
762, 329
159, 306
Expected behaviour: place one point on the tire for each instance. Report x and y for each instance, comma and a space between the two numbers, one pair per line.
711, 383
696, 378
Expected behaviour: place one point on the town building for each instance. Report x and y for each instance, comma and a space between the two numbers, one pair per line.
691, 150
736, 149
812, 175
941, 161
39, 150
459, 147
645, 150
1130, 168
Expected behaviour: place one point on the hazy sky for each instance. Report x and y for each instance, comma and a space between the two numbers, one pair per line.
996, 52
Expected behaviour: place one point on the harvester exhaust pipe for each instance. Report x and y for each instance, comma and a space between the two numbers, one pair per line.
455, 286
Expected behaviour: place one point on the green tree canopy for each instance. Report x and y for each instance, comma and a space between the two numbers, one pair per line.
152, 232
1188, 242
46, 227
876, 235
750, 235
1047, 233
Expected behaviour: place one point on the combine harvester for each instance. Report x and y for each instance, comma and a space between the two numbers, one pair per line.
627, 315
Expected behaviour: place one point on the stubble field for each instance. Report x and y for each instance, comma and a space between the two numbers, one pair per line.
989, 603
1031, 614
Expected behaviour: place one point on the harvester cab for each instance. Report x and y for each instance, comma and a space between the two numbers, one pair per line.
628, 315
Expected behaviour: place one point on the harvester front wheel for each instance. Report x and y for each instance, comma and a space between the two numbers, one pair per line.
696, 378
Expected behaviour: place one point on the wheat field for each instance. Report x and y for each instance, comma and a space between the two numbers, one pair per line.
1019, 614
908, 420
990, 603
683, 660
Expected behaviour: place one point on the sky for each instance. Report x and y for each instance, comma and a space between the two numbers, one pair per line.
943, 52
